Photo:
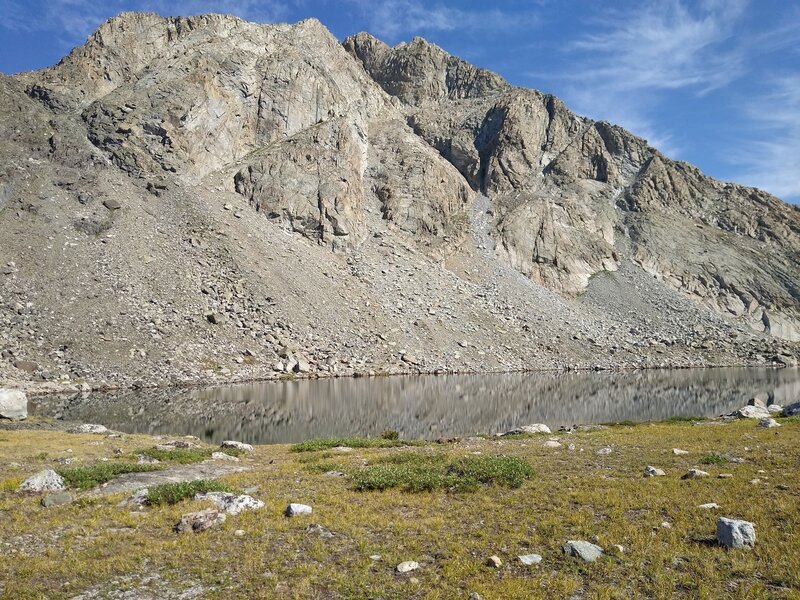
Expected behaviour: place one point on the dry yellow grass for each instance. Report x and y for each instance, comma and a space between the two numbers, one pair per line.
95, 545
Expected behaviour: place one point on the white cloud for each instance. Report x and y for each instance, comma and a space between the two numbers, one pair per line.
393, 19
621, 71
769, 158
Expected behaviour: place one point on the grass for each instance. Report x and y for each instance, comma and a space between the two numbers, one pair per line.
185, 456
575, 494
424, 472
84, 478
172, 493
713, 459
316, 445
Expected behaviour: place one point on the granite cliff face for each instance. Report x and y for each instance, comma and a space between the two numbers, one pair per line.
222, 199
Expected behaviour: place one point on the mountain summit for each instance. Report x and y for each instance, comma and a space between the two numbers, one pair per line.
201, 199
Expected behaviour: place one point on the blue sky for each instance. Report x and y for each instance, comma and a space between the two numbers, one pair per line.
712, 82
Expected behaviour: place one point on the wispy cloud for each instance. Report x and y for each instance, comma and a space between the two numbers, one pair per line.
621, 71
74, 20
393, 19
769, 158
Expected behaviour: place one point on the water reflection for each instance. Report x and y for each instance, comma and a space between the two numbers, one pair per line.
425, 406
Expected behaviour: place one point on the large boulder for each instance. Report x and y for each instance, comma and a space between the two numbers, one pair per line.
734, 533
13, 404
44, 481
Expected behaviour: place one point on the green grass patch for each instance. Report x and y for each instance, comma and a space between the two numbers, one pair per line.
683, 419
421, 473
789, 420
172, 493
84, 478
185, 456
351, 442
713, 459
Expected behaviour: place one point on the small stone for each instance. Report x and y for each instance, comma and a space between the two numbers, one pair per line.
530, 429
679, 452
666, 525
297, 509
228, 207
551, 444
200, 521
13, 404
215, 318
603, 451
583, 550
231, 503
58, 499
650, 471
413, 581
138, 498
475, 596
236, 445
768, 423
89, 428
223, 456
112, 204
407, 566
619, 548
694, 474
319, 530
775, 409
733, 533
724, 475
709, 506
530, 559
374, 556
44, 481
494, 562
239, 533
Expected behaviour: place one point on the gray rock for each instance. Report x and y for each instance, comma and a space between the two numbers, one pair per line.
318, 529
13, 404
552, 444
137, 499
295, 509
494, 562
768, 423
791, 410
531, 429
757, 402
733, 533
530, 559
44, 481
752, 412
679, 452
775, 409
407, 566
236, 445
650, 471
112, 204
89, 428
709, 506
57, 499
231, 503
583, 550
200, 521
694, 474
223, 456
603, 451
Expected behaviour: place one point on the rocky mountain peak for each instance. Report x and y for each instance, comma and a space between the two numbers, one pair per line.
203, 184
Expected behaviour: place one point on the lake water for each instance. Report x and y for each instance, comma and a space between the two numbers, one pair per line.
423, 406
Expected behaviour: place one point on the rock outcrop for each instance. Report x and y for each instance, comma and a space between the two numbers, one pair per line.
227, 200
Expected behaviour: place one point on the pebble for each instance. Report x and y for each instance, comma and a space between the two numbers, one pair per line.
494, 562
695, 474
236, 445
650, 471
768, 423
603, 451
295, 509
200, 521
407, 566
679, 452
239, 533
551, 444
231, 503
724, 475
223, 456
709, 506
89, 428
530, 559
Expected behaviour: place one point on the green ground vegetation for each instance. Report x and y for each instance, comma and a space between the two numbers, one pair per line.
385, 505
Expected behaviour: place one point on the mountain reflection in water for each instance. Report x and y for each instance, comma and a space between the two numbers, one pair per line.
423, 406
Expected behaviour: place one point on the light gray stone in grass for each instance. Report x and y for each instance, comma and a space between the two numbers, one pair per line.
295, 509
407, 566
581, 549
530, 559
236, 445
43, 481
695, 474
734, 533
231, 503
650, 471
768, 423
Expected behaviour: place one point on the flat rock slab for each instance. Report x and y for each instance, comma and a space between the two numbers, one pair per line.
130, 482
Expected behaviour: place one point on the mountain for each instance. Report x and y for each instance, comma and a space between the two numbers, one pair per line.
201, 199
